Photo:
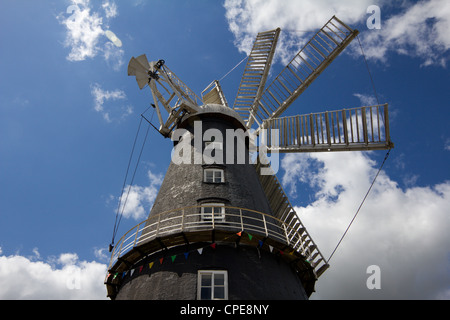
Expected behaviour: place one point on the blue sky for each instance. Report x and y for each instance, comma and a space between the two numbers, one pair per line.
69, 114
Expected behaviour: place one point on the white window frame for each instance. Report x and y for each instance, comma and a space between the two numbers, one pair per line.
218, 210
216, 172
212, 273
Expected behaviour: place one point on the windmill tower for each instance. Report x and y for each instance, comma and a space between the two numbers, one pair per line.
221, 226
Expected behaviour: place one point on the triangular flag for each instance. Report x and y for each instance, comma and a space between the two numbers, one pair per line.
131, 272
239, 233
123, 274
115, 276
109, 274
260, 243
173, 258
213, 245
161, 260
186, 255
270, 248
200, 250
150, 265
281, 252
140, 269
250, 236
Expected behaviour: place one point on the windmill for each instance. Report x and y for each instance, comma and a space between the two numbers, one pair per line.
237, 211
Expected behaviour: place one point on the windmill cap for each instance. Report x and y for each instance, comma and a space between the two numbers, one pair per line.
217, 110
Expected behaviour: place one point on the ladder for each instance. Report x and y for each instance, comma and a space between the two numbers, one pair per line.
310, 61
256, 72
296, 233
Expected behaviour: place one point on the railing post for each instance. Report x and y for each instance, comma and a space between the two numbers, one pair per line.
311, 123
344, 124
242, 221
265, 225
327, 123
364, 123
182, 220
135, 236
386, 124
286, 235
157, 227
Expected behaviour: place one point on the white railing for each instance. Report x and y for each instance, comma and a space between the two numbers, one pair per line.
188, 220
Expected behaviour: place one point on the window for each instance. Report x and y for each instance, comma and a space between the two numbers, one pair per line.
212, 285
213, 175
210, 210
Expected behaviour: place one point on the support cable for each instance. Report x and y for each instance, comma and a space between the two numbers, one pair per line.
233, 68
119, 213
368, 70
365, 197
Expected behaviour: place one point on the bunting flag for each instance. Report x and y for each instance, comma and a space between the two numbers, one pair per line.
200, 251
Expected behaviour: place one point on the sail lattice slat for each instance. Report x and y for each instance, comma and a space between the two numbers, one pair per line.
309, 62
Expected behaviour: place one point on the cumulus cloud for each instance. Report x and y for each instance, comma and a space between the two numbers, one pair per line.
61, 278
418, 30
114, 111
403, 231
136, 201
86, 33
247, 18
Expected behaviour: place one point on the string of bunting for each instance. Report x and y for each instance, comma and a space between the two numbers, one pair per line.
186, 255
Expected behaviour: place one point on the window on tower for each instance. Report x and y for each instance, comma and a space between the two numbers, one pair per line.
212, 285
213, 175
210, 211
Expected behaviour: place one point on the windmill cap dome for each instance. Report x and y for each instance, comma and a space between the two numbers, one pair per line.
215, 109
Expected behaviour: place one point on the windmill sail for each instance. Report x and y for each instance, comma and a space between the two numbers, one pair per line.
311, 60
255, 73
357, 129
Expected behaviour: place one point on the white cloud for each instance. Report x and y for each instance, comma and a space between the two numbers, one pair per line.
366, 100
110, 9
114, 112
65, 278
403, 231
447, 144
420, 30
136, 201
248, 17
85, 32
